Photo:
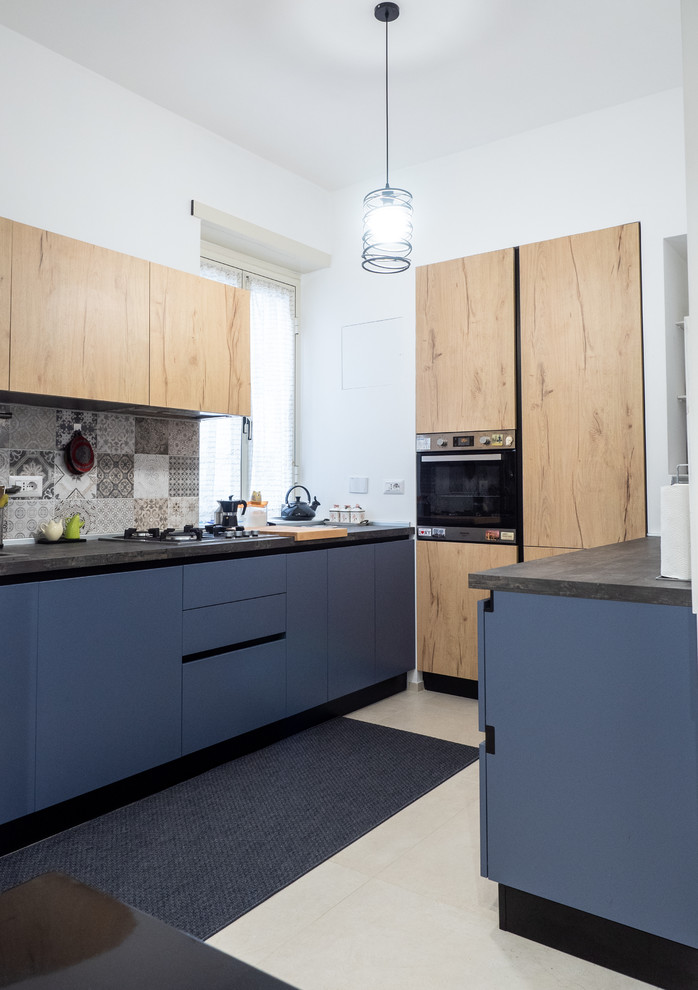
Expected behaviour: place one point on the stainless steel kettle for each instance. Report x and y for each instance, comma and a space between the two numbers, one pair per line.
298, 509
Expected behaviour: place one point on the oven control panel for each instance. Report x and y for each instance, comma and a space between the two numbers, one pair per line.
468, 442
460, 534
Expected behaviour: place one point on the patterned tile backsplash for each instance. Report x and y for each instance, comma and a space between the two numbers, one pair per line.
146, 471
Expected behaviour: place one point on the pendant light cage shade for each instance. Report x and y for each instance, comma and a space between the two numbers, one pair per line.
387, 236
387, 232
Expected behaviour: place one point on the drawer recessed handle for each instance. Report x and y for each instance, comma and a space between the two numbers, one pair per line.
206, 654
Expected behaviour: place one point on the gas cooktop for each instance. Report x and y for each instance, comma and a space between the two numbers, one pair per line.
190, 534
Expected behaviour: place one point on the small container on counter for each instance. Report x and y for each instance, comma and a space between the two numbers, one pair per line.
357, 514
347, 514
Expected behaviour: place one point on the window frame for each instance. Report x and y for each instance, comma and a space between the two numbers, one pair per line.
225, 256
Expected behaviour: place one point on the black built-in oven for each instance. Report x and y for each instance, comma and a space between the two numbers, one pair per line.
467, 487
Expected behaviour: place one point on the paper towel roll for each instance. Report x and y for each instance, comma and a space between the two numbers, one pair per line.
675, 532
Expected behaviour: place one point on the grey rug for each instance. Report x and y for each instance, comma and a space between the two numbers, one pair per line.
200, 854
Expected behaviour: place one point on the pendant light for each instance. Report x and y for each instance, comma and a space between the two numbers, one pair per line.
387, 237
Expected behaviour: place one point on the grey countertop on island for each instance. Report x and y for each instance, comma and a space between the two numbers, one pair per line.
625, 572
36, 560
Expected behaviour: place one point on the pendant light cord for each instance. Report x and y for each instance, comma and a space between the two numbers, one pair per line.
387, 216
387, 183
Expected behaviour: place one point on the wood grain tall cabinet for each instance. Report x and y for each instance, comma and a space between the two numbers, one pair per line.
466, 357
466, 380
582, 410
581, 429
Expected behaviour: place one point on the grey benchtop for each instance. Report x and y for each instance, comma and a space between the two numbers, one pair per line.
624, 572
55, 559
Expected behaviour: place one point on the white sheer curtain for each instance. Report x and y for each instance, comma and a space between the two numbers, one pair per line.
269, 460
272, 357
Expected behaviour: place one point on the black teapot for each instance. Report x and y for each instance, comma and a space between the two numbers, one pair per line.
298, 509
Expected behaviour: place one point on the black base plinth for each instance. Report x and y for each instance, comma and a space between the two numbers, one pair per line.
655, 960
463, 687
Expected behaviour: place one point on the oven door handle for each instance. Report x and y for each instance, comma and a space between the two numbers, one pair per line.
465, 458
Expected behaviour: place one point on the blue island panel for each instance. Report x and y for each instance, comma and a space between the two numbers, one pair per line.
592, 790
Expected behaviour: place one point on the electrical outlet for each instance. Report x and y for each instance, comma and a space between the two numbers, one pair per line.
30, 485
394, 487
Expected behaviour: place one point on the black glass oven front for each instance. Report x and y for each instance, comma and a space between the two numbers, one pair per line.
467, 487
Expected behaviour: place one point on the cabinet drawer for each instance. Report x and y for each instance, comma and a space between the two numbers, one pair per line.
233, 580
226, 695
217, 626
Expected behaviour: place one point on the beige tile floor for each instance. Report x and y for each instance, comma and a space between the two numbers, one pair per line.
404, 907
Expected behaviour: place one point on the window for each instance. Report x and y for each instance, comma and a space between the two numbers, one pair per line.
236, 457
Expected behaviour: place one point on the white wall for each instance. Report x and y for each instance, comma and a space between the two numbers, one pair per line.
88, 159
602, 169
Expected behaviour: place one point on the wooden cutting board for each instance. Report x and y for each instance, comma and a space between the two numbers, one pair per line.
305, 532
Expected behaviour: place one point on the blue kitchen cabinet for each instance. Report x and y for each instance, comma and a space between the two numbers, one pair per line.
233, 648
306, 630
18, 620
395, 605
590, 770
109, 679
351, 619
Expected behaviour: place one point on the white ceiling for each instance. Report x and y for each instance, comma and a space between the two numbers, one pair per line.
301, 83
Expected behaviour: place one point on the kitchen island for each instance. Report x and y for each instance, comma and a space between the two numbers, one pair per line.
128, 667
589, 769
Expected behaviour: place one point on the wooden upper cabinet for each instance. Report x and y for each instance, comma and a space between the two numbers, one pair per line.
5, 273
199, 343
582, 389
466, 366
79, 318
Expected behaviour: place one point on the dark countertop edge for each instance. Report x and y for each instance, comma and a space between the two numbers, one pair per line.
601, 591
40, 561
625, 572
